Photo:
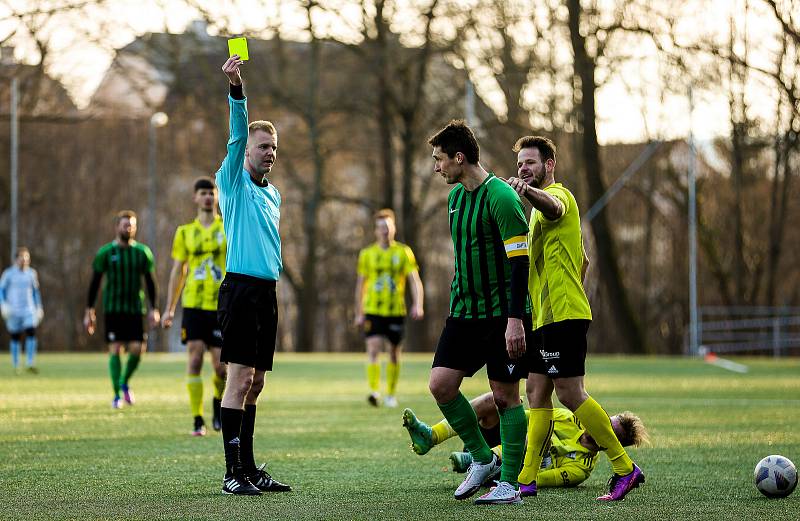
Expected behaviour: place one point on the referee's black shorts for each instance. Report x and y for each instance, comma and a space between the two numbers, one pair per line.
247, 311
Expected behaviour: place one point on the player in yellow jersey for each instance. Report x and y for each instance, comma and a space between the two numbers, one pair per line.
561, 318
383, 269
570, 458
198, 267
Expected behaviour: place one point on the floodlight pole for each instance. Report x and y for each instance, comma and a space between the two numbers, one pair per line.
14, 167
693, 323
157, 120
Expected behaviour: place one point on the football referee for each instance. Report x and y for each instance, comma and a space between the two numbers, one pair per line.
247, 308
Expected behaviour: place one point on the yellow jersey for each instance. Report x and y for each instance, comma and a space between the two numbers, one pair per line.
203, 249
568, 463
555, 249
385, 272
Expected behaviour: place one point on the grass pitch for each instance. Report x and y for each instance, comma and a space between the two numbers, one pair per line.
64, 454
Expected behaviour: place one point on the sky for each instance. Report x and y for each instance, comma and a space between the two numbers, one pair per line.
631, 107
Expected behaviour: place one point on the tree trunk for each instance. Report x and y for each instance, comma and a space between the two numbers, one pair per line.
383, 99
630, 329
307, 300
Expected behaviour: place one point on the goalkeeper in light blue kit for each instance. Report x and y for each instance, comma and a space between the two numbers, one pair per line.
21, 306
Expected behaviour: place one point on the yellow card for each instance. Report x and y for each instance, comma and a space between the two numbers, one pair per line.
238, 46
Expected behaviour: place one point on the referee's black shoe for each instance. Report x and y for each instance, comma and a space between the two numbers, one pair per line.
237, 484
264, 482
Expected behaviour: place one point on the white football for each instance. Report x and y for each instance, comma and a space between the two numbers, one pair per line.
775, 476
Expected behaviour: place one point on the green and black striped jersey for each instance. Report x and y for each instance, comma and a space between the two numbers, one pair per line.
123, 267
488, 227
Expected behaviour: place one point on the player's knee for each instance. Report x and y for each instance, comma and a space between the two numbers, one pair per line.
502, 403
195, 365
30, 332
16, 337
242, 384
569, 397
441, 391
256, 387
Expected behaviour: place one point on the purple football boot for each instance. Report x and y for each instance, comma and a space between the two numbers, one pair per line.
527, 490
621, 485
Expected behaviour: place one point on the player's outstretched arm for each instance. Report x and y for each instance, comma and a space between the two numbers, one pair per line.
550, 206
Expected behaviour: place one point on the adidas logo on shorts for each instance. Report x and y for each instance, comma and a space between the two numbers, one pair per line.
552, 370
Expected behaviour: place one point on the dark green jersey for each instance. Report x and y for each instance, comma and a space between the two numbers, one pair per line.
123, 268
488, 227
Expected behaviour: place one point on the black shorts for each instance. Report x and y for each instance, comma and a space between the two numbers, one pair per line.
467, 344
389, 327
124, 327
559, 349
201, 324
247, 312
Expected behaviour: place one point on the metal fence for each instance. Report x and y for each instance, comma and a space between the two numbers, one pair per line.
748, 330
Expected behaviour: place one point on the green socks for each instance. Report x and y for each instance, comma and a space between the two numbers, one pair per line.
130, 367
114, 369
462, 419
513, 426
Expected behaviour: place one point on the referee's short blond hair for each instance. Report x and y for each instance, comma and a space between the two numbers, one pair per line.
266, 126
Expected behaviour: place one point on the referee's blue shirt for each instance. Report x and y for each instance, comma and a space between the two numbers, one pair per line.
250, 213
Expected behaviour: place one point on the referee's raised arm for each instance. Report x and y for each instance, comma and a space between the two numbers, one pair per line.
228, 174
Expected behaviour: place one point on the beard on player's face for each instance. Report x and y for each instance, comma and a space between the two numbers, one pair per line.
537, 176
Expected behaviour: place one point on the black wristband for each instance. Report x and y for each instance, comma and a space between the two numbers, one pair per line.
237, 91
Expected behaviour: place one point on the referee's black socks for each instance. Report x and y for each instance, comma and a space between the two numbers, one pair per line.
231, 420
246, 438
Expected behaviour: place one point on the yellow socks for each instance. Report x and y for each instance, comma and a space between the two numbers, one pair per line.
374, 377
442, 431
194, 384
598, 425
392, 376
219, 386
540, 430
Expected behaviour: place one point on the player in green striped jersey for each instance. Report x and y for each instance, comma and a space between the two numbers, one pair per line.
487, 305
561, 316
125, 263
